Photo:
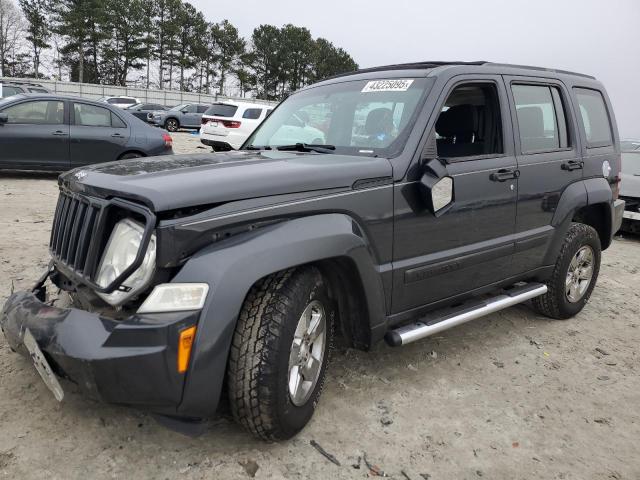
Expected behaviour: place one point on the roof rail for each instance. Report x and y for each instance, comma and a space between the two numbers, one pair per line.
404, 66
539, 69
434, 64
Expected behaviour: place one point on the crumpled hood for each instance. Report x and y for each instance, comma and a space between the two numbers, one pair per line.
178, 181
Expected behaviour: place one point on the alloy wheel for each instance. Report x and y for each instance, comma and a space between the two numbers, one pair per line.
579, 274
307, 353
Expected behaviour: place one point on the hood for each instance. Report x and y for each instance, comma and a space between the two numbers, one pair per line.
180, 181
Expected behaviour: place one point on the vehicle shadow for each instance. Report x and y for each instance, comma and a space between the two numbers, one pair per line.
28, 175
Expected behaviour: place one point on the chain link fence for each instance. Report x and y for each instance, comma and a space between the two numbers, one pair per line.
92, 91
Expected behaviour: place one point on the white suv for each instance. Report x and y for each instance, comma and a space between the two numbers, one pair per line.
225, 126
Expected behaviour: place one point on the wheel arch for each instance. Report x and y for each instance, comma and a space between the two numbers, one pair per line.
598, 216
127, 152
333, 242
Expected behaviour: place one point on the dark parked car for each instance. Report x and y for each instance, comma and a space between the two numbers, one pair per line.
8, 89
630, 185
47, 132
440, 193
144, 111
188, 115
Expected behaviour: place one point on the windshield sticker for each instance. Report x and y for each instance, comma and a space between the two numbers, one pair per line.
387, 86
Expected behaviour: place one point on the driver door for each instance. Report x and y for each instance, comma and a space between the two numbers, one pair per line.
455, 218
35, 136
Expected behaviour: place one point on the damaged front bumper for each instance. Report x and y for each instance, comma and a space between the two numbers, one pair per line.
129, 362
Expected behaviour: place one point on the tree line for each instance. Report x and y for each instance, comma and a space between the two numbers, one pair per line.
166, 44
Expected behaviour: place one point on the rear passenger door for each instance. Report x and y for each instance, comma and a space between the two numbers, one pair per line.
597, 133
468, 243
548, 160
251, 118
97, 135
200, 109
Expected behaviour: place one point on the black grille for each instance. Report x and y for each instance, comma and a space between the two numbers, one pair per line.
73, 240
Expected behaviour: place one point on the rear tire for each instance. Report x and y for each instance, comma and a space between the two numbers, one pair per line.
172, 125
574, 275
276, 371
130, 155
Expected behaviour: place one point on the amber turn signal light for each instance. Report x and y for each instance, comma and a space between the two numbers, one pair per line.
187, 337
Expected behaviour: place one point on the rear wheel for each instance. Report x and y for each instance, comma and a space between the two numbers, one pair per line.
280, 352
172, 125
130, 155
574, 275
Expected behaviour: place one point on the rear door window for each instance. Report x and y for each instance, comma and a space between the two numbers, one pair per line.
202, 108
221, 110
541, 119
36, 113
91, 116
595, 118
252, 113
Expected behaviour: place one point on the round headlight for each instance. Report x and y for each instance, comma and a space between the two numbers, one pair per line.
120, 253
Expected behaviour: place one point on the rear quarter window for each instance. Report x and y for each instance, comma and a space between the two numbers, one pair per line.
252, 113
221, 110
594, 116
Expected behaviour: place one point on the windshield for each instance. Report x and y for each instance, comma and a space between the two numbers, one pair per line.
178, 107
365, 117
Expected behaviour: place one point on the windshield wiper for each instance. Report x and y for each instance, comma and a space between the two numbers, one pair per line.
307, 147
257, 147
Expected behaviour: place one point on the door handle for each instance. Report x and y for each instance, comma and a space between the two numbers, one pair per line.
504, 174
117, 135
572, 165
59, 133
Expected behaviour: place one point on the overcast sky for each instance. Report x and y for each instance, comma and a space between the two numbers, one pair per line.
597, 37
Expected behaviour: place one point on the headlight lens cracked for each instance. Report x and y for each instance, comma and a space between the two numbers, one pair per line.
121, 251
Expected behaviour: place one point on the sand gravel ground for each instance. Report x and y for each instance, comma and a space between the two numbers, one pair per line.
510, 396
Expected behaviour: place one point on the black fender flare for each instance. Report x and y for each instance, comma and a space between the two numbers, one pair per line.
576, 196
232, 266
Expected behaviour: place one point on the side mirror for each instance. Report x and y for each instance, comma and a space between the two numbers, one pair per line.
185, 111
4, 118
436, 184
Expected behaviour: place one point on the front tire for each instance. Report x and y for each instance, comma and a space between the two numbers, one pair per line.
574, 275
280, 353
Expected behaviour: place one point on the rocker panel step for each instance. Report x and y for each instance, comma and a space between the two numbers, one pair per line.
465, 313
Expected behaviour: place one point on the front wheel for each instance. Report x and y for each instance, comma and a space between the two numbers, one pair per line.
574, 275
280, 353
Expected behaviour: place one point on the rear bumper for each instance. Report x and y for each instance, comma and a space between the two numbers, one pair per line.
129, 362
213, 139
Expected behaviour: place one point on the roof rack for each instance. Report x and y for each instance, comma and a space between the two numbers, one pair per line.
404, 66
434, 64
540, 69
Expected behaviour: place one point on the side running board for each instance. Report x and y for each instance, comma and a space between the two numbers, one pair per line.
464, 313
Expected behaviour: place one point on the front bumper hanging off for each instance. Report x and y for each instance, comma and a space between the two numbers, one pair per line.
130, 362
